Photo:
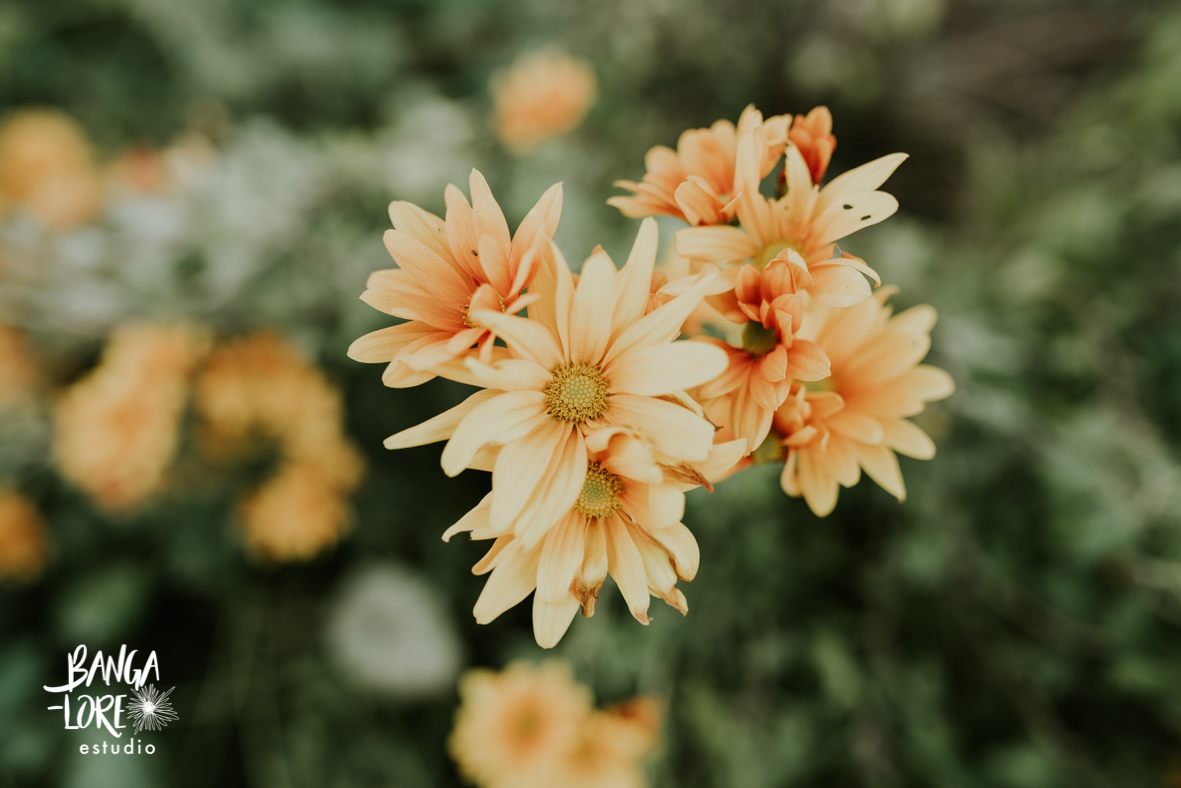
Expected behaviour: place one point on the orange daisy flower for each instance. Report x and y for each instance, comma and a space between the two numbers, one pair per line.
514, 728
543, 94
448, 269
626, 521
697, 182
586, 358
760, 373
856, 419
807, 220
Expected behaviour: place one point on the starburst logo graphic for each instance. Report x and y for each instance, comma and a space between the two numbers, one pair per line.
151, 710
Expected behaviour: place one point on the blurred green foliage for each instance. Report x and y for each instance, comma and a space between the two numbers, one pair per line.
1014, 623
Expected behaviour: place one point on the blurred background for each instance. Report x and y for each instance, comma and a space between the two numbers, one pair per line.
193, 194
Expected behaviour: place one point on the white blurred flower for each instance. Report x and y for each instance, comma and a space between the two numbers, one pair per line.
389, 632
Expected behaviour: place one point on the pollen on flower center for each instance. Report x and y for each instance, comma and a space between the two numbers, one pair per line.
757, 339
466, 310
578, 393
600, 492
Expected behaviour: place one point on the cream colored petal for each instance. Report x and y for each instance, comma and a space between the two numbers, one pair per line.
627, 567
510, 582
594, 300
393, 291
658, 566
886, 359
904, 437
429, 271
461, 233
561, 558
801, 194
493, 557
916, 320
506, 417
456, 369
593, 572
856, 426
682, 549
838, 286
882, 466
867, 177
807, 361
429, 229
855, 211
527, 338
674, 431
399, 376
522, 468
563, 483
722, 457
489, 219
634, 279
382, 345
928, 383
431, 354
476, 521
663, 325
550, 622
514, 374
717, 244
538, 226
666, 505
494, 261
441, 427
653, 371
748, 420
818, 485
753, 210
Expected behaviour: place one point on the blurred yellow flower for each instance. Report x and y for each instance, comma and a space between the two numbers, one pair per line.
295, 514
117, 428
24, 547
47, 167
856, 419
543, 94
534, 726
261, 387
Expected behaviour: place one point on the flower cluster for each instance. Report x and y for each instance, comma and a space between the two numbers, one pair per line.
534, 725
593, 420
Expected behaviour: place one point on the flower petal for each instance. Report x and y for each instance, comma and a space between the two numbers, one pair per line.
510, 582
441, 427
527, 338
561, 558
653, 371
505, 417
550, 622
673, 430
590, 328
627, 567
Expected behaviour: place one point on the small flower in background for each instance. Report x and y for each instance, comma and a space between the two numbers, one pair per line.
534, 726
24, 545
294, 515
856, 418
696, 182
47, 168
390, 633
543, 94
118, 428
260, 388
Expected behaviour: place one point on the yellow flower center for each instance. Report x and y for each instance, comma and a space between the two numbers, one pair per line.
757, 339
771, 251
578, 393
600, 492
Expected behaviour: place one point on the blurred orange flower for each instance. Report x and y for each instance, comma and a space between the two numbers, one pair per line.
533, 726
856, 419
117, 428
811, 134
18, 371
47, 167
295, 514
24, 547
543, 94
